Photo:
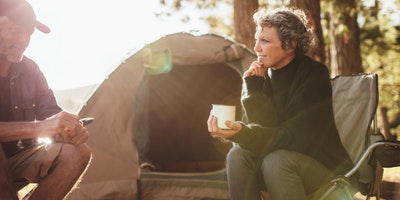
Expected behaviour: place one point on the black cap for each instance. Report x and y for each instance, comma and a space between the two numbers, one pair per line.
21, 12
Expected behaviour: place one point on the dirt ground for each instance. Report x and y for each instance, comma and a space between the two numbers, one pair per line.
390, 189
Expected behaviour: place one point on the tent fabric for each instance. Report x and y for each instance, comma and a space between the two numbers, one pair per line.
72, 100
114, 172
188, 162
181, 136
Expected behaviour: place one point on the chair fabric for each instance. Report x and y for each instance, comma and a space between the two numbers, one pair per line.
355, 100
388, 155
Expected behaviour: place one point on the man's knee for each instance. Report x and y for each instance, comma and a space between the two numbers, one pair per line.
4, 166
7, 190
78, 155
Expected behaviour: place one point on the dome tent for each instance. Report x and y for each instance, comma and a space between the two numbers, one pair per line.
153, 108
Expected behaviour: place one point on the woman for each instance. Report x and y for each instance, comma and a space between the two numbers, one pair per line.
288, 140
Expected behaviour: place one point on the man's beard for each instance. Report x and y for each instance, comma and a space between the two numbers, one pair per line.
13, 60
10, 55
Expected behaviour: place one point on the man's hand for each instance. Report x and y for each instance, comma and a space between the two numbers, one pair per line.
63, 127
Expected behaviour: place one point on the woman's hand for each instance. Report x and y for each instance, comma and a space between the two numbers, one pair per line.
256, 69
235, 127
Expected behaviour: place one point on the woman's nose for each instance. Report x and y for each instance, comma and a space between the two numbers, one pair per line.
256, 48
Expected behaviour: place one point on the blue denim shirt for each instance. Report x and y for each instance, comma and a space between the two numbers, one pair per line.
31, 99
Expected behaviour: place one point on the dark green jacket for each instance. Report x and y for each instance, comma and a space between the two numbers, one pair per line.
291, 108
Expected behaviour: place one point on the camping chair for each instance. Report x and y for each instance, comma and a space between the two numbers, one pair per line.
355, 99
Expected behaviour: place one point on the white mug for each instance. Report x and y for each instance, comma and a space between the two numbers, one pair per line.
223, 113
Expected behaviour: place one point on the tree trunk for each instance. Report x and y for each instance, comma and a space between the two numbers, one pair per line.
385, 124
344, 35
313, 9
244, 27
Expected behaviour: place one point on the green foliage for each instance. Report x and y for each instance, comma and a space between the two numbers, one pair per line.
217, 13
381, 52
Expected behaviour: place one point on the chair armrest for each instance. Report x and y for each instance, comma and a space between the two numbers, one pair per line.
382, 147
388, 154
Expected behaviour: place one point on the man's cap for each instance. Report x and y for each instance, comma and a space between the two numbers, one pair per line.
21, 12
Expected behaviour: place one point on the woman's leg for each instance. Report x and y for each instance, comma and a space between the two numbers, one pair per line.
290, 175
241, 172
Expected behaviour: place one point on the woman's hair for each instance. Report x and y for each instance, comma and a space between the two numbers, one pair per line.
292, 25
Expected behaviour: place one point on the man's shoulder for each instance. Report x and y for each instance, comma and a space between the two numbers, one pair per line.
26, 65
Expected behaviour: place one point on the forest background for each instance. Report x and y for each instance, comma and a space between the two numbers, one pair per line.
353, 36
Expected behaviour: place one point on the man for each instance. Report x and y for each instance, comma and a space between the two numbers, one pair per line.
28, 110
288, 138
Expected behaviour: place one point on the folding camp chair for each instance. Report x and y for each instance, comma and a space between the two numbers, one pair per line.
355, 99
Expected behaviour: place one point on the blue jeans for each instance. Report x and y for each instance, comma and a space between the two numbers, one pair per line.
287, 175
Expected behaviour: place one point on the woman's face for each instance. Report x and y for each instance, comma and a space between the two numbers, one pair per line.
269, 50
14, 39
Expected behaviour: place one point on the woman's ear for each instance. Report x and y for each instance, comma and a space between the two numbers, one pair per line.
292, 47
294, 44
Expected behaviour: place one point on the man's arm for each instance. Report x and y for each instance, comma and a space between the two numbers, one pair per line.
12, 131
65, 126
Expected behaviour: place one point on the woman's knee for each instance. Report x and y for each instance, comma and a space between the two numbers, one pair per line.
277, 162
232, 155
237, 155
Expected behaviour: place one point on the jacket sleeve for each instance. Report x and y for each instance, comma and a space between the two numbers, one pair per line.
307, 114
259, 116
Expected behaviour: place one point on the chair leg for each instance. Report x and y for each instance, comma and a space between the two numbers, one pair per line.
340, 183
378, 180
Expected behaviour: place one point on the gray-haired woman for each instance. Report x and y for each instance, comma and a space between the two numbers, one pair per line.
287, 142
